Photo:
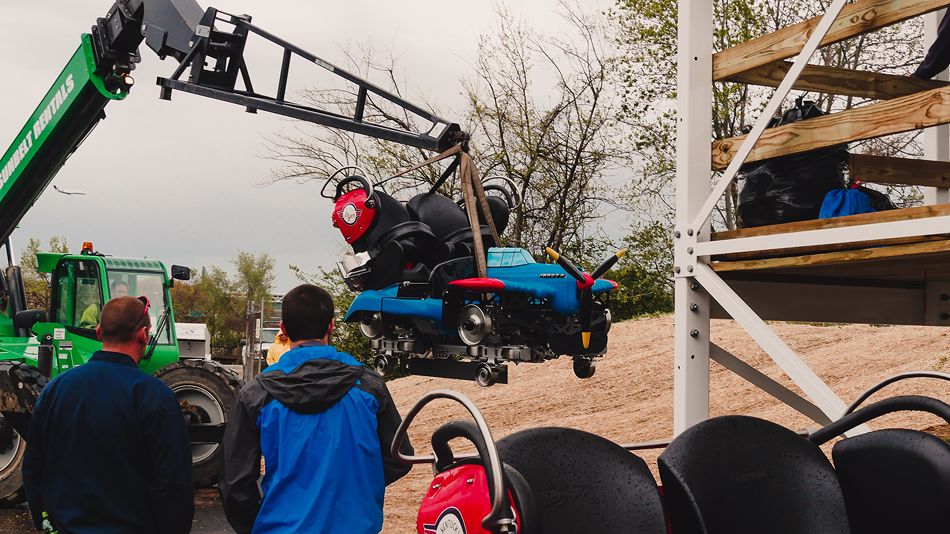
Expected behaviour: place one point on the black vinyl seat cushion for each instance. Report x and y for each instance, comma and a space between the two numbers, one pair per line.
895, 480
438, 211
743, 475
582, 483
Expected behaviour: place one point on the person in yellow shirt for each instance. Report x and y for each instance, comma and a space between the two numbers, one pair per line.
90, 315
280, 346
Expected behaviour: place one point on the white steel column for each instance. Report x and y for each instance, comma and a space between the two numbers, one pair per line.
693, 181
936, 139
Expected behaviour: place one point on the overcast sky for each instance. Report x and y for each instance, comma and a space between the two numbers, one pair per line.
177, 181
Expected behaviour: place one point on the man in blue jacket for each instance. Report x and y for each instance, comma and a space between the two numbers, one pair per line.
324, 425
108, 447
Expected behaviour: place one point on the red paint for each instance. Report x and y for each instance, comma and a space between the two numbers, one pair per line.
612, 283
352, 216
458, 495
586, 284
479, 284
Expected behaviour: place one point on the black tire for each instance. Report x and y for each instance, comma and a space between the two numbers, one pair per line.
210, 391
16, 374
584, 368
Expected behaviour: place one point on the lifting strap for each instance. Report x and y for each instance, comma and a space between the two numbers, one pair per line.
473, 193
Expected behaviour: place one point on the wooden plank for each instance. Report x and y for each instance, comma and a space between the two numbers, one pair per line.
818, 249
912, 112
838, 222
831, 258
899, 171
857, 18
857, 83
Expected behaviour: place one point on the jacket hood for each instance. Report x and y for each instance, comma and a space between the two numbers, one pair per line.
313, 387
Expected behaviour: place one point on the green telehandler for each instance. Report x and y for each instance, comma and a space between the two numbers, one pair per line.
37, 345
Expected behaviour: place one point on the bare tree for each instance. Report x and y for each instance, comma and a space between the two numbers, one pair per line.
315, 152
556, 143
540, 110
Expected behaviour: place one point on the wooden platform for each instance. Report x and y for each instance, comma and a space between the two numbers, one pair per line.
897, 281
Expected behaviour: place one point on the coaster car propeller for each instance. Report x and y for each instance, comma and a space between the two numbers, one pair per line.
585, 283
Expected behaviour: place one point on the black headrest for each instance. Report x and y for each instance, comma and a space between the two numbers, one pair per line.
742, 475
895, 480
439, 212
500, 212
584, 483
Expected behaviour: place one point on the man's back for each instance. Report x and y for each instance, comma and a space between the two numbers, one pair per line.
108, 452
322, 422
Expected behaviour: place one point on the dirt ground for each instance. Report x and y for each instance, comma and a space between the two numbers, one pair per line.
630, 399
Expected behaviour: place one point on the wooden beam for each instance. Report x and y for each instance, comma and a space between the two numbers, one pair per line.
899, 171
848, 256
857, 18
912, 112
857, 83
817, 249
905, 214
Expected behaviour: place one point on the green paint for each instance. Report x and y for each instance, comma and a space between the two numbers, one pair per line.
78, 74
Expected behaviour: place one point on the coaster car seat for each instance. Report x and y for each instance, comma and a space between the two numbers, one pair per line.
448, 222
559, 480
378, 226
499, 206
894, 480
580, 482
743, 475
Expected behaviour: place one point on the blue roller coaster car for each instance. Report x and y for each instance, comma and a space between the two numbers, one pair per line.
447, 321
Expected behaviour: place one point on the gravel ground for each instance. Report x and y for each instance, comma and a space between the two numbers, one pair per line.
630, 398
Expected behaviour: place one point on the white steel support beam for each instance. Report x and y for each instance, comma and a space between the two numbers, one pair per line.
766, 384
936, 139
816, 390
693, 137
828, 236
814, 40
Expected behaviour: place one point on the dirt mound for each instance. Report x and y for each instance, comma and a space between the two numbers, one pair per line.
630, 399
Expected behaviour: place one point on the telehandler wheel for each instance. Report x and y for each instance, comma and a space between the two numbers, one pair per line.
207, 392
12, 445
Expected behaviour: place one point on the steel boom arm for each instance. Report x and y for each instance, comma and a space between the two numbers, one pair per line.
100, 71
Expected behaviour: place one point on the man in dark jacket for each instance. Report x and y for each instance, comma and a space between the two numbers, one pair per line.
324, 425
108, 447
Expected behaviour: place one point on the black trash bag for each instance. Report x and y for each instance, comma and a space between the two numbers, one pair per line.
791, 188
879, 201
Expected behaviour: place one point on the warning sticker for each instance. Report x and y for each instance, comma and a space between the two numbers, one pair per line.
66, 346
59, 333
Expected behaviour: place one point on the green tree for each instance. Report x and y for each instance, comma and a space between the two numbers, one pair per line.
221, 300
254, 277
647, 33
36, 285
643, 274
223, 307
